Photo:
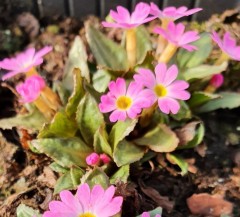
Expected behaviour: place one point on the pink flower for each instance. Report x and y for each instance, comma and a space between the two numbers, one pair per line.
163, 88
124, 20
172, 13
92, 159
228, 45
175, 35
23, 62
31, 88
146, 214
122, 101
86, 203
217, 80
105, 159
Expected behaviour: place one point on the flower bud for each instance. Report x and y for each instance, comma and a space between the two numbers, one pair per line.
105, 159
92, 159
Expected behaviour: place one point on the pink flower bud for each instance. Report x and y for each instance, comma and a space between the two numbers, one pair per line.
217, 80
105, 159
92, 159
31, 88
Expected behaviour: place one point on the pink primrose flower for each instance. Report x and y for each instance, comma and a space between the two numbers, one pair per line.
217, 80
124, 102
23, 62
31, 88
146, 214
105, 159
175, 34
124, 20
228, 45
93, 159
86, 203
172, 13
163, 87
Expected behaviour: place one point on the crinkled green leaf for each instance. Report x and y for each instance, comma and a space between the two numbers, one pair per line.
188, 59
120, 130
191, 135
107, 53
183, 113
159, 139
122, 175
154, 212
76, 175
126, 152
64, 183
96, 176
26, 211
60, 126
143, 43
100, 143
227, 100
101, 78
77, 58
57, 168
175, 159
89, 118
66, 152
199, 98
203, 71
32, 121
77, 94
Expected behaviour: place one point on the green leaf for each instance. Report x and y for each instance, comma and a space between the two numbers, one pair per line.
100, 143
227, 100
159, 139
143, 43
96, 176
191, 135
120, 130
126, 153
76, 175
122, 175
77, 94
60, 126
100, 79
175, 159
107, 53
77, 58
57, 168
89, 118
64, 183
183, 113
26, 211
154, 212
32, 121
203, 71
66, 152
199, 98
188, 59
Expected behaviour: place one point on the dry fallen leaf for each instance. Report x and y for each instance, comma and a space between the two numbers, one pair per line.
206, 204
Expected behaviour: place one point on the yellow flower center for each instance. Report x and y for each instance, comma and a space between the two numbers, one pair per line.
87, 214
124, 102
160, 90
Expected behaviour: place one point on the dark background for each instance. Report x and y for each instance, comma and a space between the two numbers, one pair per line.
81, 8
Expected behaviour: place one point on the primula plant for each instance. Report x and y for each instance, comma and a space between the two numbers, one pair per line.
135, 103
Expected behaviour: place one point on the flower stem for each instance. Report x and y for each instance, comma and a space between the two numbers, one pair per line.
44, 108
131, 45
224, 57
162, 42
48, 96
168, 53
146, 115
